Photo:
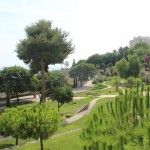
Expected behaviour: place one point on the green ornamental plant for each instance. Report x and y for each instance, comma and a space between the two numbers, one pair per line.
119, 124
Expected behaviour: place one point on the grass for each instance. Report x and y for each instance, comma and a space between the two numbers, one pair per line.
69, 141
71, 108
111, 80
108, 91
11, 142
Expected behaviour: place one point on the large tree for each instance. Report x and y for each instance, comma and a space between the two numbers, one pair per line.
44, 45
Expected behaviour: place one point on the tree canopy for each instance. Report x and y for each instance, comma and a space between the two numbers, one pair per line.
42, 46
128, 68
83, 71
62, 95
14, 80
54, 80
37, 121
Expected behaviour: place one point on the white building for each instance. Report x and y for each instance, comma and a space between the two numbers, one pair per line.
138, 40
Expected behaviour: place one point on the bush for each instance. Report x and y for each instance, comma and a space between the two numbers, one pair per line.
68, 115
99, 79
99, 86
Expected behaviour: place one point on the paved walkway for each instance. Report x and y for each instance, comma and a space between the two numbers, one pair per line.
85, 112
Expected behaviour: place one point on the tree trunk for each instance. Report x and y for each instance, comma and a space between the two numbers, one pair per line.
41, 143
7, 100
16, 139
81, 83
42, 99
76, 82
17, 97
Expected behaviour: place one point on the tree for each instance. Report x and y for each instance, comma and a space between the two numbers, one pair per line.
44, 45
81, 61
122, 52
38, 121
128, 68
140, 49
14, 80
74, 74
131, 81
36, 83
62, 95
134, 66
11, 123
94, 59
54, 80
122, 68
41, 122
117, 83
83, 71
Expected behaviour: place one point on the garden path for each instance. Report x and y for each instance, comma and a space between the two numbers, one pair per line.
83, 113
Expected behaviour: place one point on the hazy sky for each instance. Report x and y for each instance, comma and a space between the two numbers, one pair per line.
95, 26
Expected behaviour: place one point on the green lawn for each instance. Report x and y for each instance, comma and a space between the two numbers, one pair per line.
11, 142
69, 141
71, 108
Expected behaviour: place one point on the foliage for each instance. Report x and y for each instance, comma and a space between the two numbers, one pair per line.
81, 61
11, 123
132, 82
103, 60
99, 86
128, 68
38, 121
36, 82
99, 79
140, 49
94, 59
123, 52
83, 71
54, 80
122, 68
62, 95
121, 124
44, 45
117, 83
134, 66
74, 74
14, 80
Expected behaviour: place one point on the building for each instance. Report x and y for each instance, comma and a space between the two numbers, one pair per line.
138, 40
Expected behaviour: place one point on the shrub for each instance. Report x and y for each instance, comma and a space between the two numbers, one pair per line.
99, 86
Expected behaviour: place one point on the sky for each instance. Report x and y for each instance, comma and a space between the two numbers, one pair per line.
95, 26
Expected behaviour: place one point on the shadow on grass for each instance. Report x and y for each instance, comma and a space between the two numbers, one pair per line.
14, 103
2, 146
21, 102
